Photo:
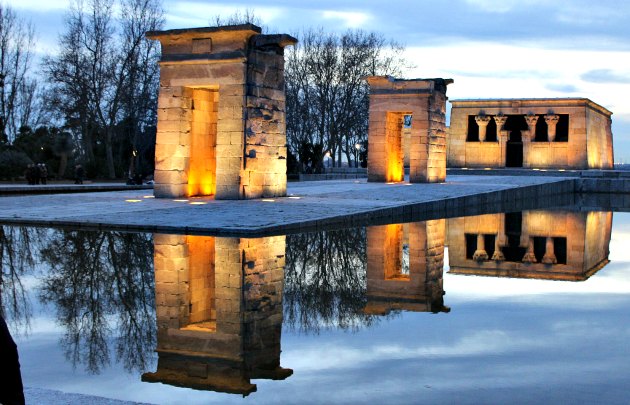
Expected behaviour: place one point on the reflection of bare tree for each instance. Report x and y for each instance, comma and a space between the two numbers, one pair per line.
16, 259
325, 280
101, 284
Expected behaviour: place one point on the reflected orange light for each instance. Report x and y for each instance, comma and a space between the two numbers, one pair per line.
148, 196
198, 203
268, 200
180, 200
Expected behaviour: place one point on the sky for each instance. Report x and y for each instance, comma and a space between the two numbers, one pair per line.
491, 48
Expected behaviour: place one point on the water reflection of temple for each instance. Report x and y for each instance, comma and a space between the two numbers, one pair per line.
404, 267
219, 311
554, 245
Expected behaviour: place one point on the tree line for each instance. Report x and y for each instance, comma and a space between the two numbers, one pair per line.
93, 100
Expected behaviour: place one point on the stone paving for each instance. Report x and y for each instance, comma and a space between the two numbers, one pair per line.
309, 206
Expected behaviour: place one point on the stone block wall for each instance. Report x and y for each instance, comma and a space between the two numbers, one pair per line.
265, 167
390, 100
599, 140
221, 113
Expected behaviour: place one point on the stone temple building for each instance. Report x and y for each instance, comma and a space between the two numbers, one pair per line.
221, 113
558, 133
540, 244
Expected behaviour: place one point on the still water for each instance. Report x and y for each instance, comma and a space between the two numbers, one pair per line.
520, 307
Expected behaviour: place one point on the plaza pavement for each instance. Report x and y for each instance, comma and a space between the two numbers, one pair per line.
308, 206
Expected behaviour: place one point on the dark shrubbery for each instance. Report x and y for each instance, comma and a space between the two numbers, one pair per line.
13, 164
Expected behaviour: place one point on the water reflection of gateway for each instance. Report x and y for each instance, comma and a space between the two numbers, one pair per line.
404, 267
553, 245
219, 311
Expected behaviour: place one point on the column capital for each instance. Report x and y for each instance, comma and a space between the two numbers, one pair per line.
551, 118
531, 120
500, 120
482, 120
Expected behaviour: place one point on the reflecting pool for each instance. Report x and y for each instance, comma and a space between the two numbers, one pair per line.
515, 307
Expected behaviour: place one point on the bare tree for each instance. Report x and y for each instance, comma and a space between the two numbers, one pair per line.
101, 284
17, 87
18, 248
325, 281
327, 96
104, 78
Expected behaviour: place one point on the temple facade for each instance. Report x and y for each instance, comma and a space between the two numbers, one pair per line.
558, 133
552, 245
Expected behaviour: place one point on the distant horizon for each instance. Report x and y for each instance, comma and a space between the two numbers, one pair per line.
492, 50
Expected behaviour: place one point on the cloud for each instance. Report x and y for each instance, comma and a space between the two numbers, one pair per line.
350, 19
605, 76
506, 74
562, 88
503, 6
188, 13
38, 5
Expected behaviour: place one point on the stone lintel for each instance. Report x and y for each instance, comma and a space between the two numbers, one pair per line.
391, 85
235, 56
203, 32
507, 104
280, 40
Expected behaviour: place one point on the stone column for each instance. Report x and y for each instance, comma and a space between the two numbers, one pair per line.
482, 121
530, 257
502, 136
480, 254
498, 254
552, 121
550, 256
531, 120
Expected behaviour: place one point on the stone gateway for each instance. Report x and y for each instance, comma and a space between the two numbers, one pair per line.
407, 125
221, 113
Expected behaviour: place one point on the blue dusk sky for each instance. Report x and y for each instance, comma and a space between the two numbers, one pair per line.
491, 48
